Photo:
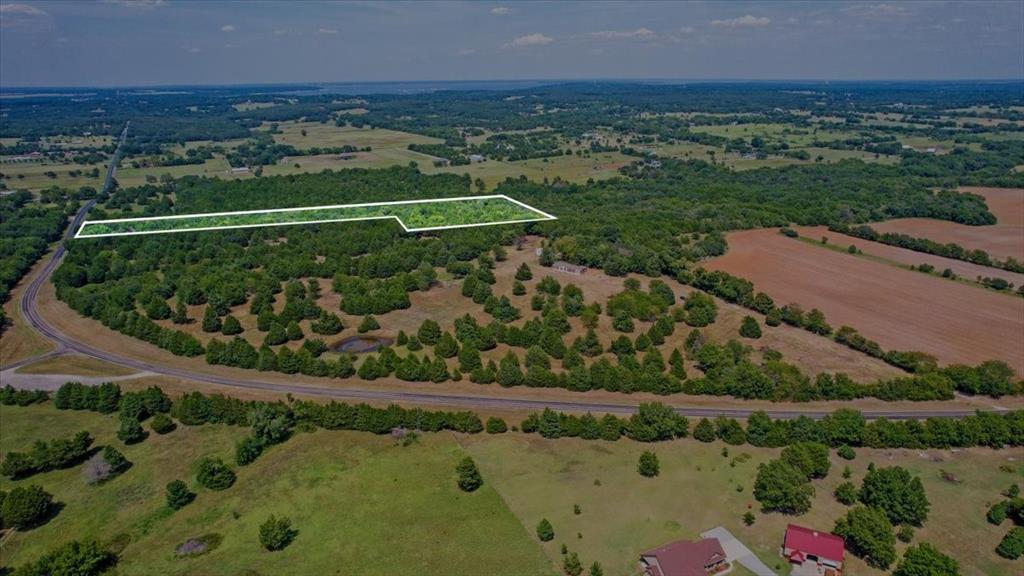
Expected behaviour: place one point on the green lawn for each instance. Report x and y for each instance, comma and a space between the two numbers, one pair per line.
624, 514
362, 505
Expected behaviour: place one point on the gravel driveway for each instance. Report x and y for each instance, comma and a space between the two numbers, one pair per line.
736, 551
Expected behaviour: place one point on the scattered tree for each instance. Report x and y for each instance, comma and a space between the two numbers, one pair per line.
545, 532
277, 533
26, 507
469, 476
178, 495
925, 560
215, 474
868, 535
649, 466
749, 328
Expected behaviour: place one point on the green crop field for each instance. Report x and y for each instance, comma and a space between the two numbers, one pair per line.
414, 216
362, 504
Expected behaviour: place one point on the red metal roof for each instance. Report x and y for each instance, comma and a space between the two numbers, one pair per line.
820, 544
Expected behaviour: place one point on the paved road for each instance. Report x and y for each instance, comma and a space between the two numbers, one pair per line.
67, 344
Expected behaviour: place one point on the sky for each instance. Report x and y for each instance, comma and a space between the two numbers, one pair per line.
174, 42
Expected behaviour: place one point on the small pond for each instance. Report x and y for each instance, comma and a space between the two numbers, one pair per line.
361, 343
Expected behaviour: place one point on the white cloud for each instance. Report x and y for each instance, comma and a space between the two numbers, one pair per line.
501, 10
280, 32
537, 39
687, 29
227, 28
327, 31
136, 3
21, 10
193, 50
466, 52
875, 10
24, 16
748, 21
638, 34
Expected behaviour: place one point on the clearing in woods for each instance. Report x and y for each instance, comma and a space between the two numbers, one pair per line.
412, 215
900, 309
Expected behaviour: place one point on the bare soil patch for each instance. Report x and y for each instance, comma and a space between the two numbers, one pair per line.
910, 257
900, 309
1002, 240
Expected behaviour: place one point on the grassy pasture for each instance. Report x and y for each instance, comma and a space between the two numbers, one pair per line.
355, 499
624, 514
217, 167
322, 135
32, 176
570, 168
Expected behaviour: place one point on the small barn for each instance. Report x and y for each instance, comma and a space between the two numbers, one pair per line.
562, 266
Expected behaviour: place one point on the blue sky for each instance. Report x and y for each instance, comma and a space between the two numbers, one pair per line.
159, 42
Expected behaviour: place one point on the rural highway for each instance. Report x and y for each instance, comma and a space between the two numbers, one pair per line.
30, 312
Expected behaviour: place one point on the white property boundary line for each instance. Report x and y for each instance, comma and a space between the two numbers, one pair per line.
544, 217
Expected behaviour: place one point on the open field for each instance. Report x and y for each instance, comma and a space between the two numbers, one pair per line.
413, 215
217, 167
18, 340
32, 176
908, 257
323, 135
576, 169
355, 499
75, 365
900, 309
1001, 240
623, 514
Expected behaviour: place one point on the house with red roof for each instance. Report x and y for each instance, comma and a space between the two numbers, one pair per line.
812, 553
685, 558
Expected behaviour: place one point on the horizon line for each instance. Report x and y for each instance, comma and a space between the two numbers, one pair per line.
608, 79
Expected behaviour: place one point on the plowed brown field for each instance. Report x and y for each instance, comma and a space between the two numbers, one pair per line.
1001, 240
910, 257
902, 310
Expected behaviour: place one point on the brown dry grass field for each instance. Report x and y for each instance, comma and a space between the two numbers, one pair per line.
75, 365
909, 257
1001, 240
18, 340
900, 309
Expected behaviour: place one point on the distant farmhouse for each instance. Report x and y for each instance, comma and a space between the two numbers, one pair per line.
569, 268
477, 158
813, 553
30, 157
685, 558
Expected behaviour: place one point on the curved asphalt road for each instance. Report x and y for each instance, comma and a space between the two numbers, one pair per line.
67, 344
